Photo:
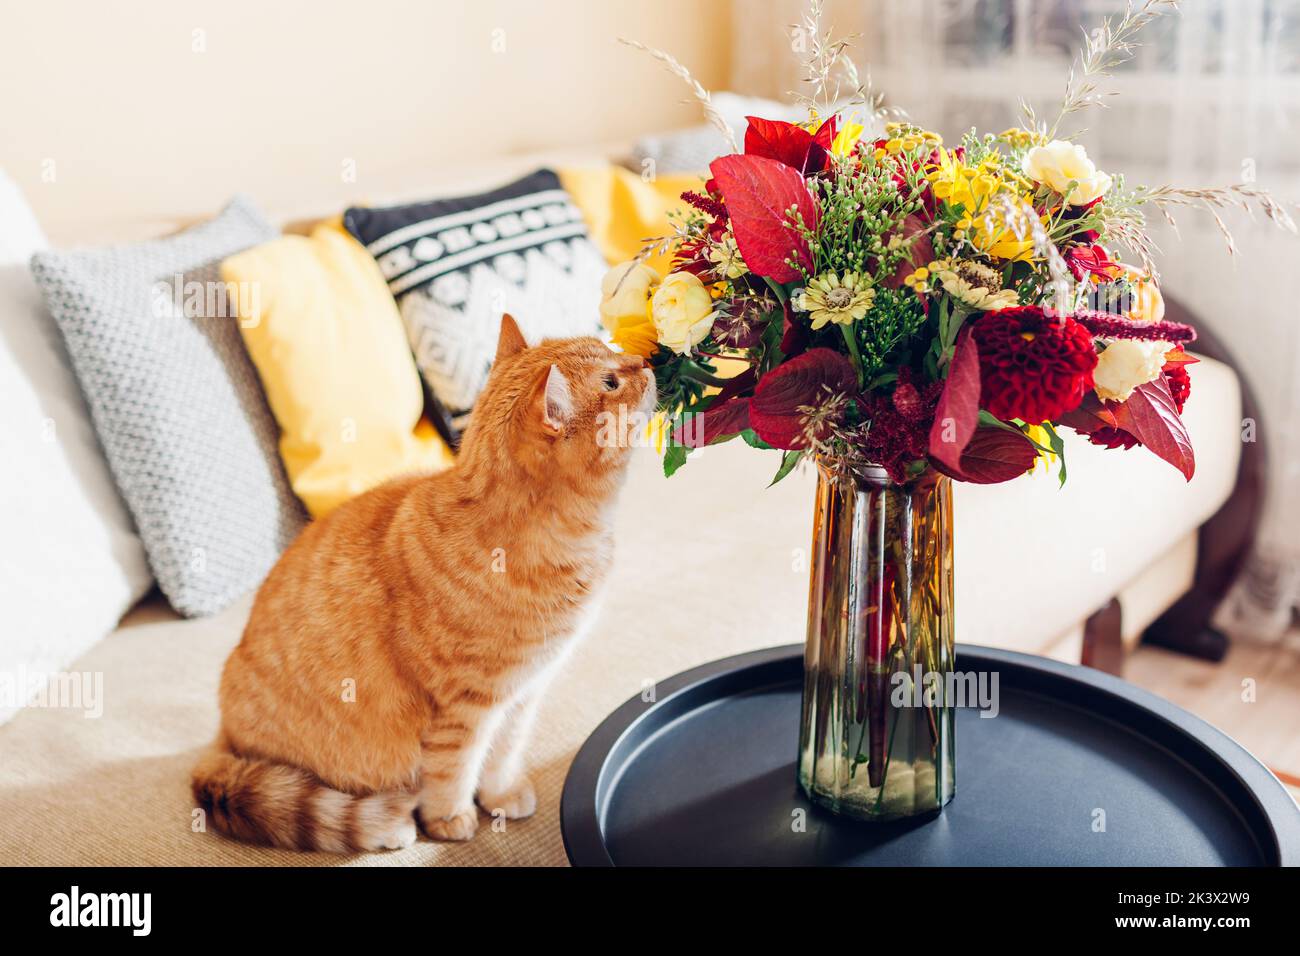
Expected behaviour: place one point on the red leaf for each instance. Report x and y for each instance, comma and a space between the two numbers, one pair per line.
958, 410
1177, 356
1151, 416
789, 143
819, 153
794, 333
721, 419
735, 385
994, 455
758, 191
825, 136
807, 380
1090, 417
784, 142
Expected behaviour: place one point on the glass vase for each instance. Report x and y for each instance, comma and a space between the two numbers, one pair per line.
876, 736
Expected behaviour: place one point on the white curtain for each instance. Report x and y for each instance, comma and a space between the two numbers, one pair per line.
1211, 97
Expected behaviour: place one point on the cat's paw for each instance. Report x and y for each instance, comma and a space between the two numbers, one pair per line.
515, 802
456, 826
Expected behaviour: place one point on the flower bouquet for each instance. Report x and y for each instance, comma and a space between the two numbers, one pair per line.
905, 313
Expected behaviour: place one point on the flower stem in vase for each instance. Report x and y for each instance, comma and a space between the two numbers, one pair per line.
879, 608
879, 626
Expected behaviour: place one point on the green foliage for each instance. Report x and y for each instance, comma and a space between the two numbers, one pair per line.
860, 208
894, 320
1058, 448
674, 458
979, 148
788, 460
678, 384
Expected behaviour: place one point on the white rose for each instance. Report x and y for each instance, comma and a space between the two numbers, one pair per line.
1125, 364
624, 292
683, 311
1059, 163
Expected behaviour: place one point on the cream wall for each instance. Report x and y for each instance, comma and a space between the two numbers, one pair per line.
150, 110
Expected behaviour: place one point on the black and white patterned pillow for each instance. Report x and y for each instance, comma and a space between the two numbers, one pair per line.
154, 341
455, 265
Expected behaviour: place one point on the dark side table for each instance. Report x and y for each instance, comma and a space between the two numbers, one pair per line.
705, 775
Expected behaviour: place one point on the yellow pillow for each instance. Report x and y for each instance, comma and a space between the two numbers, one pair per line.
328, 343
622, 210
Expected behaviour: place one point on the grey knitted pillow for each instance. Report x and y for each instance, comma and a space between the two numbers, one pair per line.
177, 404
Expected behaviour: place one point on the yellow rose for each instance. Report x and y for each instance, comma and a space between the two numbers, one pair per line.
683, 311
637, 338
1059, 163
625, 307
624, 292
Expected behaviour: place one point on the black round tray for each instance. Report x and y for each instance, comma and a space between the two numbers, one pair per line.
705, 775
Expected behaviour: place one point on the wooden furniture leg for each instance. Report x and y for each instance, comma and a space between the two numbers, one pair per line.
1103, 642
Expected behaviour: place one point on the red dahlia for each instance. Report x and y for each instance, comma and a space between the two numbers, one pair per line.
1179, 382
1032, 367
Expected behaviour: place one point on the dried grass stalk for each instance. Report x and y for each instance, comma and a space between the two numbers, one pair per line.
828, 68
1217, 198
1104, 49
706, 101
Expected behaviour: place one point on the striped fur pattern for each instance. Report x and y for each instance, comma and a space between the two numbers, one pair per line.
397, 655
259, 801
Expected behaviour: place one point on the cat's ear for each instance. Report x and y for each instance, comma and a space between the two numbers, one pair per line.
557, 402
511, 341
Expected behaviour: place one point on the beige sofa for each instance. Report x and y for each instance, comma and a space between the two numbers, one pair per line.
1033, 563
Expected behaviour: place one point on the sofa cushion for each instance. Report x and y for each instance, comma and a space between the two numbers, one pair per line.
71, 563
455, 265
624, 210
176, 403
692, 149
331, 353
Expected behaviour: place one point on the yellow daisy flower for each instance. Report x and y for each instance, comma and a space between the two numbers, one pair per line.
974, 285
832, 298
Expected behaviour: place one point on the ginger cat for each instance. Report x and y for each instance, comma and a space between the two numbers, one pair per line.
395, 658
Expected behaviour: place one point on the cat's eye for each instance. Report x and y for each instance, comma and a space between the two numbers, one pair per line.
611, 382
